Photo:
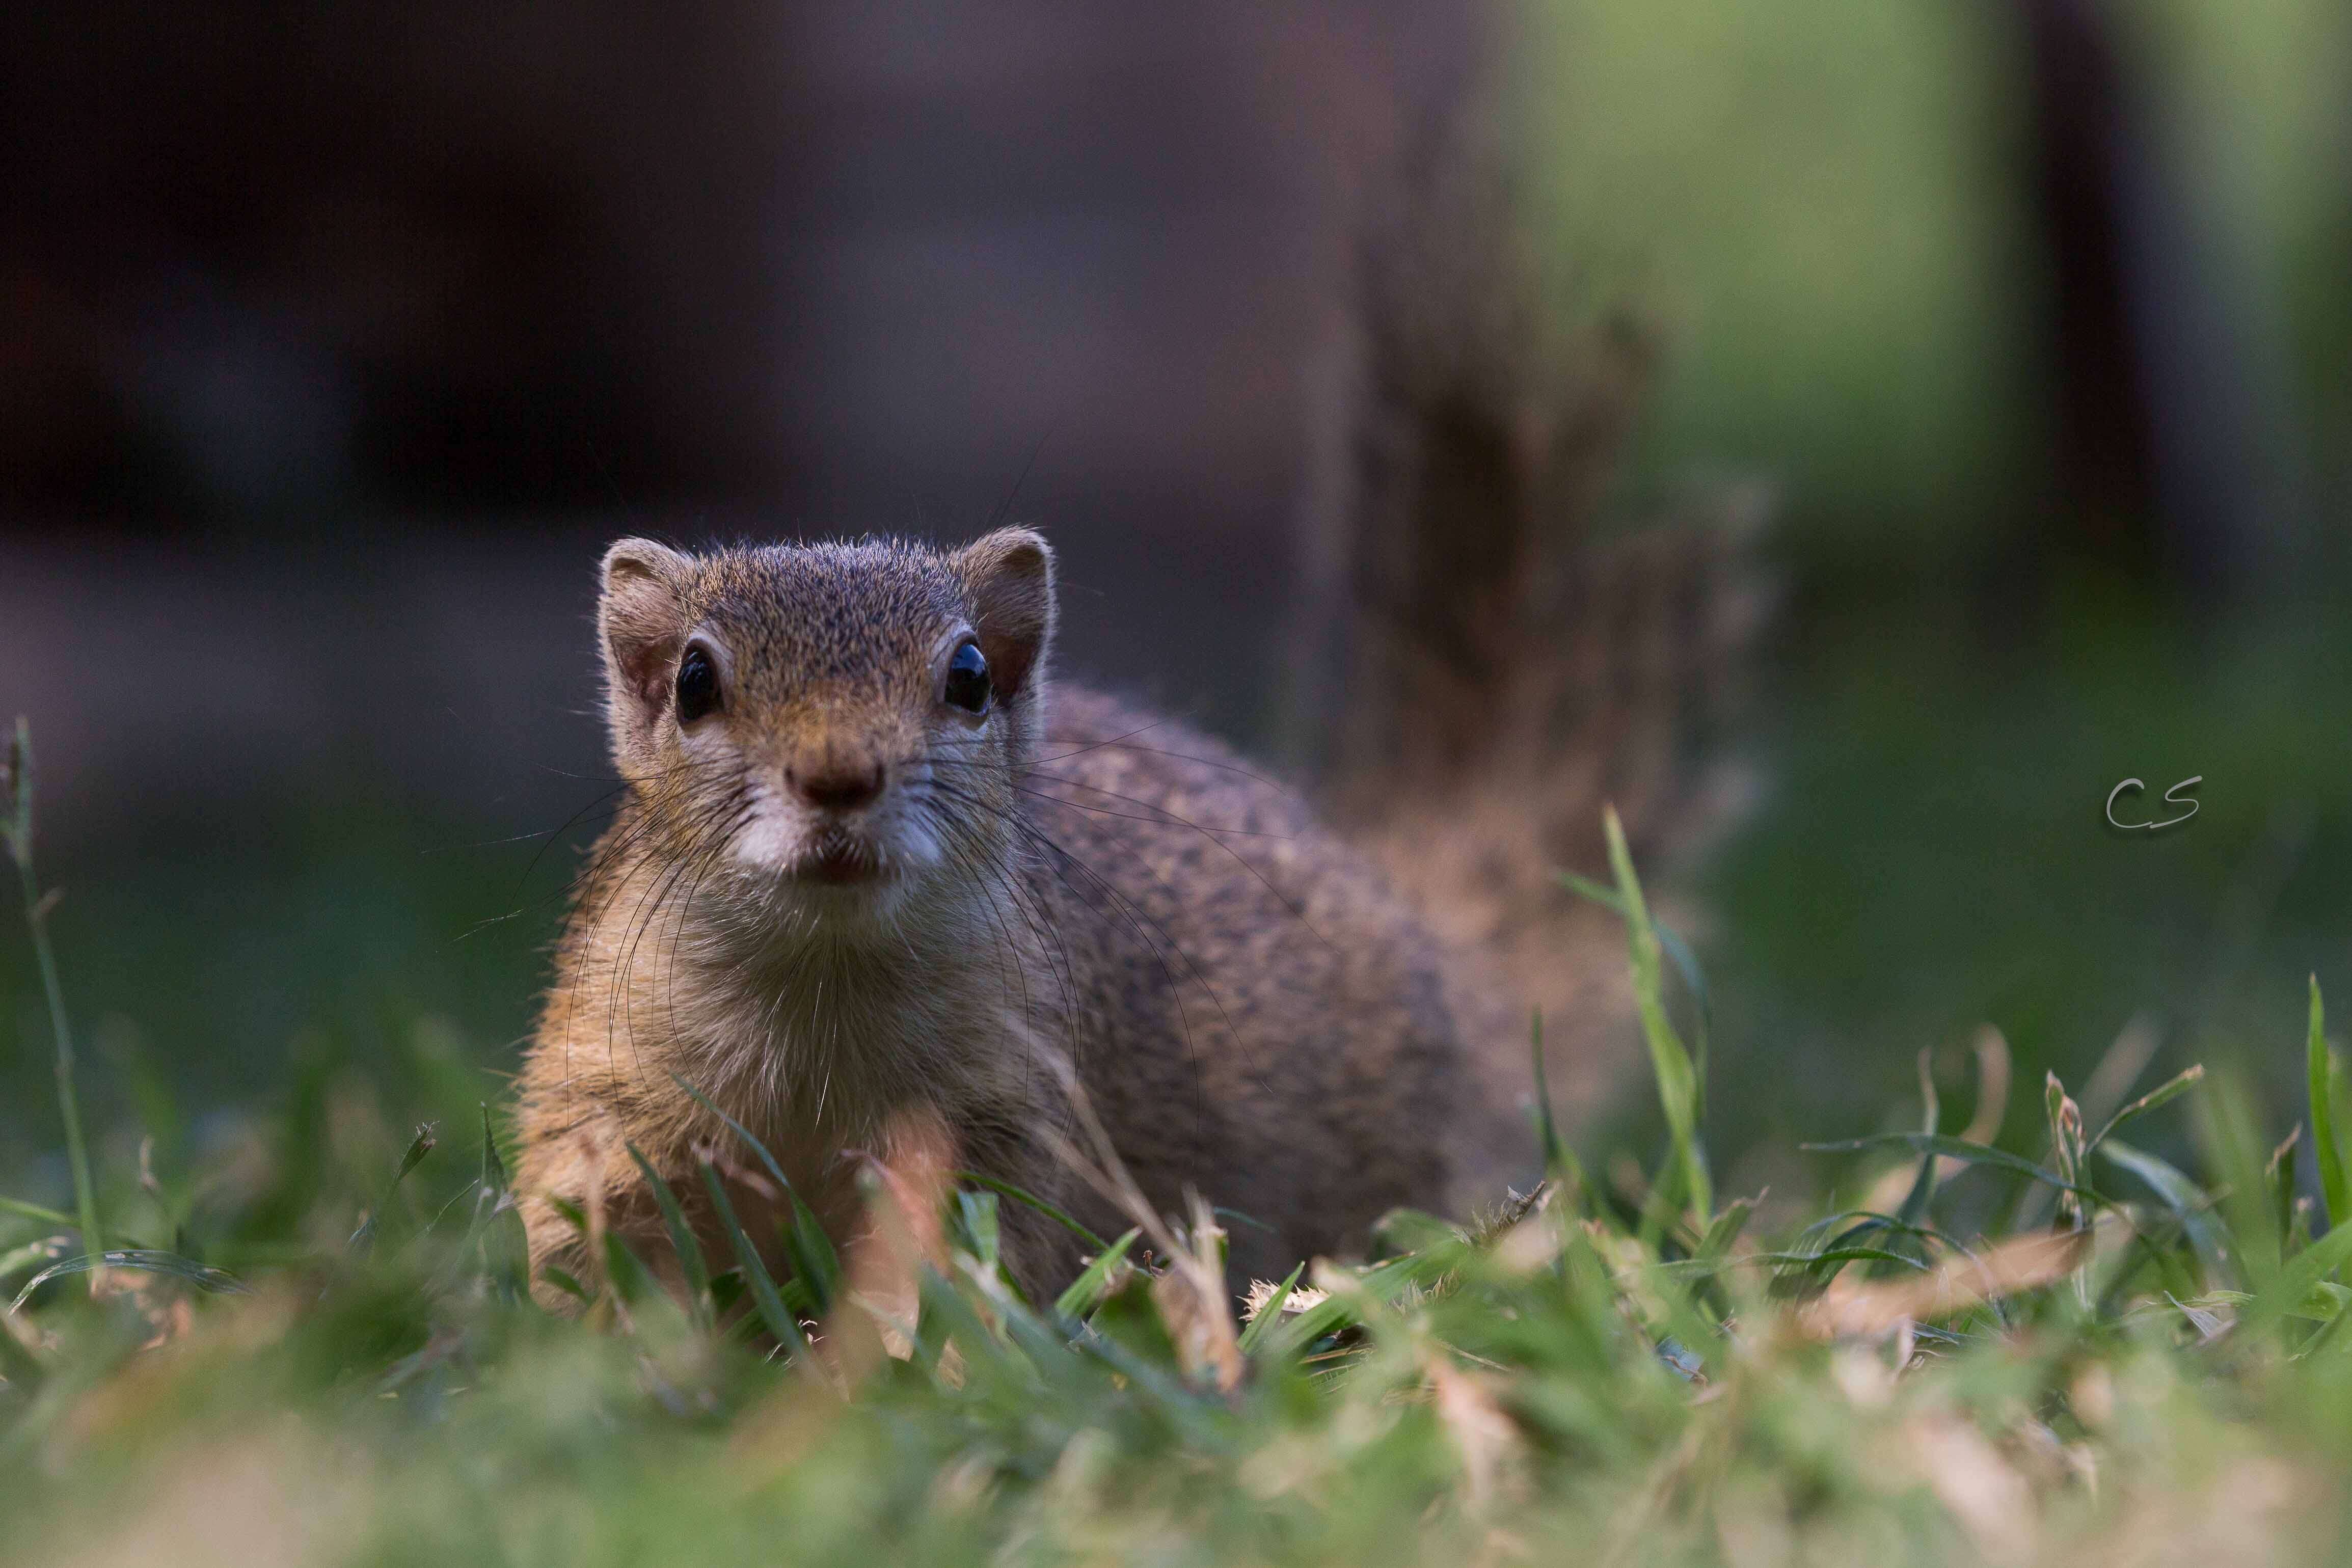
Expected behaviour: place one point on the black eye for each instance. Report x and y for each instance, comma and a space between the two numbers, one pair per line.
698, 685
968, 680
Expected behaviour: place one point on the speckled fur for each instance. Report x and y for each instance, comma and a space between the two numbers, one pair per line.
1248, 1007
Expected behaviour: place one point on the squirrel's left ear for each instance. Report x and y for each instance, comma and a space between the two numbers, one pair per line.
1010, 575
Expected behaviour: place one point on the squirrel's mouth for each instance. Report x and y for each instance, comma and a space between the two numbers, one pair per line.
837, 861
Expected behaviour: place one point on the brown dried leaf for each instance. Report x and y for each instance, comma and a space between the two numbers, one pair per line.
1193, 1303
877, 1313
1870, 1308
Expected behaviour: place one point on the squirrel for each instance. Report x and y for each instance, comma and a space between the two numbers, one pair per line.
872, 858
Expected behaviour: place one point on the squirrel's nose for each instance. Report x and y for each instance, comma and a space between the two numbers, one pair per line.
837, 786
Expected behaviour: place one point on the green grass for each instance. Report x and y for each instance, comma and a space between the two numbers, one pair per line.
321, 1347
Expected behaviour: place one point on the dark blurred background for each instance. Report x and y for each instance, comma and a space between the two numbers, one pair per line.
335, 340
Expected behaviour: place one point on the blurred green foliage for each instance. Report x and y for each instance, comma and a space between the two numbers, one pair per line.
216, 959
1814, 206
1826, 212
1825, 209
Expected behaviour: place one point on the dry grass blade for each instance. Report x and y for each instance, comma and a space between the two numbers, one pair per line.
1191, 1296
1868, 1309
1193, 1304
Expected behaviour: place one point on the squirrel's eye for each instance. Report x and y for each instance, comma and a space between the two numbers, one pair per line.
698, 685
968, 680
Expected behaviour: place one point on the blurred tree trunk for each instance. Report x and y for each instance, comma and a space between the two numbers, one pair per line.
2163, 474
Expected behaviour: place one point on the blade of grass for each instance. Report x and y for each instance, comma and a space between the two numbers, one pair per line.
631, 1281
1686, 962
24, 1210
1839, 1255
1789, 1265
1253, 1333
2163, 1094
2286, 1291
2179, 1195
975, 1324
1664, 1207
422, 1144
142, 1261
2278, 1174
1923, 1186
2320, 1072
1087, 1289
1560, 1163
563, 1281
1292, 1337
492, 1199
1717, 1244
764, 1300
813, 1257
30, 1255
2065, 1144
1006, 1189
1955, 1148
782, 1182
1681, 1081
975, 1215
1830, 1221
1860, 1223
19, 832
2235, 1152
681, 1239
494, 1167
1555, 1151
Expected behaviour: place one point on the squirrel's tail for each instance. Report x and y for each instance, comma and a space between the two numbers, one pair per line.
1490, 665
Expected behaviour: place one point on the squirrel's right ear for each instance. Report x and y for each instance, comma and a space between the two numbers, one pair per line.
641, 622
1010, 575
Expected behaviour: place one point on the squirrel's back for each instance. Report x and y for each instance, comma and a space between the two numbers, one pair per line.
1256, 1013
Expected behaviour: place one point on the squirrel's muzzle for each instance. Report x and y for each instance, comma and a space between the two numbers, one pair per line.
836, 784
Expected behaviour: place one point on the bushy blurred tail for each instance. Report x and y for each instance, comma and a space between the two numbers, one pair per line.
1490, 666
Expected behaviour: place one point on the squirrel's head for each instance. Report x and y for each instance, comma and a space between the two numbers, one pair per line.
848, 721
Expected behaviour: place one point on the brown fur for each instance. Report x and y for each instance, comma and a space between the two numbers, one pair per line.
1246, 1006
